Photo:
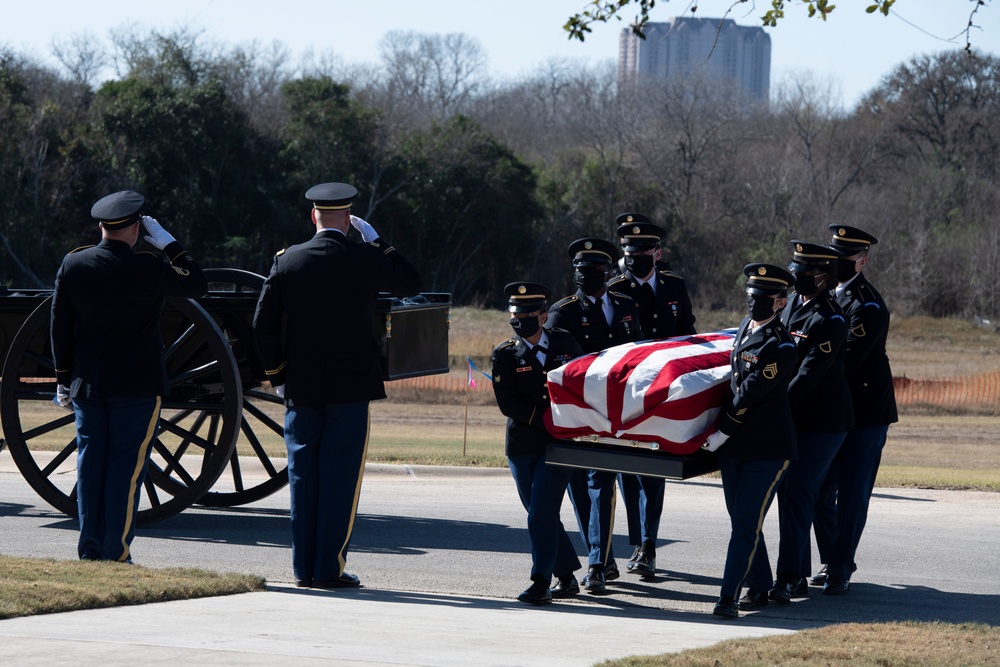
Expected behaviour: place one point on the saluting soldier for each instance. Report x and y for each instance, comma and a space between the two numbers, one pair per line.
866, 367
325, 364
521, 390
661, 297
597, 319
821, 407
108, 353
755, 434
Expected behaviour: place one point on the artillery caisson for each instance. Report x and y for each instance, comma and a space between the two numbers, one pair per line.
220, 417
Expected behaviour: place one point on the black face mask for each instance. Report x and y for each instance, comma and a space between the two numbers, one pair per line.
845, 270
805, 284
639, 265
525, 327
760, 308
591, 279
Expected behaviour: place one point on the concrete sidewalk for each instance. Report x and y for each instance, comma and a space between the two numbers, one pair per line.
285, 625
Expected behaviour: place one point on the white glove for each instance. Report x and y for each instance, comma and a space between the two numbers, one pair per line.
368, 233
715, 440
280, 390
62, 398
158, 236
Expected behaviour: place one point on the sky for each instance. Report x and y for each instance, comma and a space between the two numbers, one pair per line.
851, 51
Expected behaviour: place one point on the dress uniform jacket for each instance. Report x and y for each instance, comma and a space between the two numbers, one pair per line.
759, 418
106, 317
519, 384
666, 313
820, 397
866, 365
328, 286
582, 318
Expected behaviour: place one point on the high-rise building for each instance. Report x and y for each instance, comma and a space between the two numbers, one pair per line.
686, 45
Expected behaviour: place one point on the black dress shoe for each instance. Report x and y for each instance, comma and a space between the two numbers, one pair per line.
836, 586
594, 581
799, 588
304, 583
343, 581
566, 587
611, 571
630, 563
645, 566
537, 593
781, 593
726, 608
819, 578
753, 601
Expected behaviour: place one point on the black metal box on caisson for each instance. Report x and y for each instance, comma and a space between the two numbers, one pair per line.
412, 334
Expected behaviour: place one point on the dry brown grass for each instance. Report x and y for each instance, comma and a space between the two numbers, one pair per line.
31, 586
849, 644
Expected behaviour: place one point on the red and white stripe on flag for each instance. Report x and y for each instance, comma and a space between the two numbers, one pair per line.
667, 392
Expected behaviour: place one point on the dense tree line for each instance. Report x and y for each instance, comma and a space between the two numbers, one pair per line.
485, 181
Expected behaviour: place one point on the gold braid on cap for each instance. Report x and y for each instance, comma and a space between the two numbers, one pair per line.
841, 237
341, 207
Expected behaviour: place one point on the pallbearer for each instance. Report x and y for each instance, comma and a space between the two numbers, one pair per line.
756, 434
661, 297
843, 505
598, 319
519, 384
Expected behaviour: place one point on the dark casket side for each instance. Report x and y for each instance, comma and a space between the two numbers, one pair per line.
631, 460
412, 334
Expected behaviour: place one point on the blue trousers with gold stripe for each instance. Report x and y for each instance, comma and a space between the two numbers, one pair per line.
327, 446
592, 493
749, 487
542, 488
114, 438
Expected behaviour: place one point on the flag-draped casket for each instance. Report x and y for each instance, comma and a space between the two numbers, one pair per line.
667, 393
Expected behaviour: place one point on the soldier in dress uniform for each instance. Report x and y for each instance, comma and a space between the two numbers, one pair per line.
755, 434
324, 362
598, 319
108, 354
521, 390
821, 407
840, 522
661, 297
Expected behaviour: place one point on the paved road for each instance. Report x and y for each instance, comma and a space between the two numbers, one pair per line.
926, 555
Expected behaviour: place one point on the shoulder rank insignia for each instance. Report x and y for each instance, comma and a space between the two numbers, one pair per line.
770, 371
280, 252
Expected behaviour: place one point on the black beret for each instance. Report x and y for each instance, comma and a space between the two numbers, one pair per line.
767, 279
331, 196
118, 209
851, 240
526, 297
809, 256
639, 235
592, 251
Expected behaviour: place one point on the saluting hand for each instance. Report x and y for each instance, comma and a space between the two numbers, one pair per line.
158, 236
368, 233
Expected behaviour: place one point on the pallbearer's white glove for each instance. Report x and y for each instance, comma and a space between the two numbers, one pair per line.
715, 440
62, 398
368, 233
280, 390
158, 236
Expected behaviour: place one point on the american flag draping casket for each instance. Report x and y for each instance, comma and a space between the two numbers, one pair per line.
667, 393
